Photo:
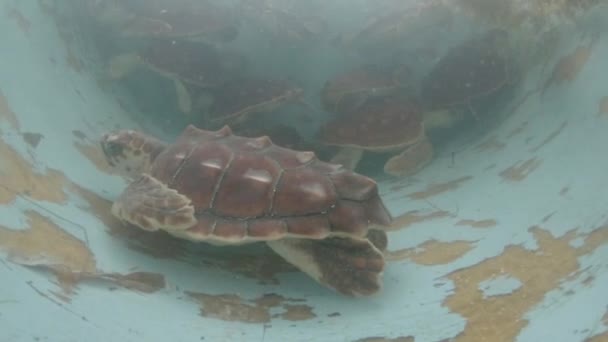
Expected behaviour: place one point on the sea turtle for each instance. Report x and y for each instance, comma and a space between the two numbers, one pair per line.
235, 101
197, 20
349, 89
383, 125
386, 31
186, 63
468, 73
288, 23
224, 189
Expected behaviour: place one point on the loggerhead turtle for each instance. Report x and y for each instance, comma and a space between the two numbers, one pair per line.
382, 125
469, 72
184, 62
224, 189
195, 20
235, 101
350, 89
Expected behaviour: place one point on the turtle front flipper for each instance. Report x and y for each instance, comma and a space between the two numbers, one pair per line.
151, 205
184, 101
411, 160
348, 157
351, 266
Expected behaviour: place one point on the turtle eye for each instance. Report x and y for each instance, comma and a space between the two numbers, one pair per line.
112, 149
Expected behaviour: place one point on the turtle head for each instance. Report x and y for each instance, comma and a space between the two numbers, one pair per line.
130, 152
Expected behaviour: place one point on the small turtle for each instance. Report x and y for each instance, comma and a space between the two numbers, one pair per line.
184, 62
168, 19
350, 89
285, 23
381, 125
387, 30
468, 72
223, 189
235, 101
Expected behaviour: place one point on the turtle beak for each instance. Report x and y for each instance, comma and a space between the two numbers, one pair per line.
110, 148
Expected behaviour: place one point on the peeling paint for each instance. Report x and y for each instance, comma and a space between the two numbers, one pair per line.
492, 144
540, 271
477, 223
44, 245
231, 307
569, 66
432, 252
520, 170
439, 188
410, 218
18, 179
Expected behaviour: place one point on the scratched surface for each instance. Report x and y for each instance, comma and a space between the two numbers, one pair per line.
503, 237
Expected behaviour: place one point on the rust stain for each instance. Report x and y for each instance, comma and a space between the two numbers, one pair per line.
569, 66
439, 188
46, 246
603, 107
501, 318
44, 240
520, 170
386, 339
18, 178
432, 252
405, 220
297, 312
94, 154
477, 224
22, 22
7, 114
230, 307
32, 139
550, 137
492, 144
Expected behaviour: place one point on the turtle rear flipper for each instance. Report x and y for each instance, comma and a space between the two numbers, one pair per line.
151, 205
349, 265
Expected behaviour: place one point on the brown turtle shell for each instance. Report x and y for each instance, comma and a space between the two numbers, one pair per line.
182, 19
195, 63
250, 189
243, 96
349, 89
379, 124
473, 69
